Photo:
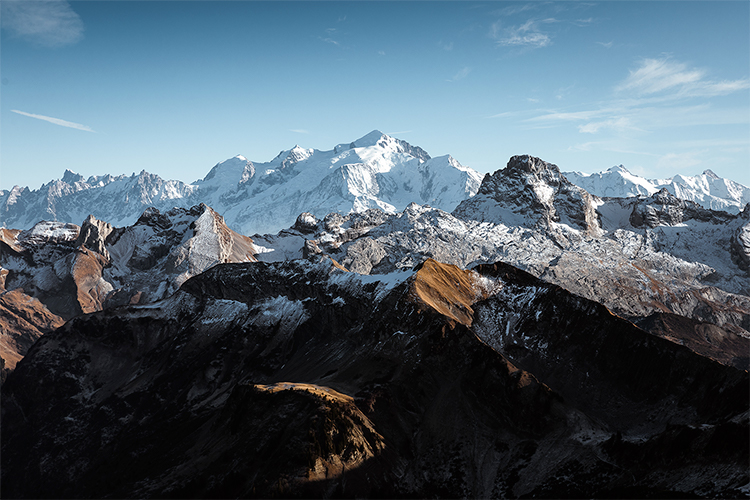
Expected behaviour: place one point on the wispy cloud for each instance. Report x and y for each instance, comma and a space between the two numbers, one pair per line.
658, 75
393, 134
515, 9
502, 115
583, 22
607, 45
56, 121
49, 23
621, 123
330, 40
661, 94
462, 73
381, 52
528, 34
299, 130
447, 46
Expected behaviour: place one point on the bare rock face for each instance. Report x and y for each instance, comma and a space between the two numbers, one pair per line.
434, 382
93, 235
741, 241
530, 188
637, 256
665, 209
75, 271
23, 319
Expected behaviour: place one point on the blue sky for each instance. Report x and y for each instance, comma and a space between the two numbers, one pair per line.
175, 87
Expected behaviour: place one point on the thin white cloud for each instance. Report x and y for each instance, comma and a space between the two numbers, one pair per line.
503, 114
583, 22
556, 116
330, 40
462, 73
56, 121
49, 23
514, 9
621, 123
393, 134
446, 46
658, 75
299, 130
655, 75
528, 34
531, 99
607, 45
381, 52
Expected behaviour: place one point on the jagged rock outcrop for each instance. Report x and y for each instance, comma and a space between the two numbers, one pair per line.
531, 191
664, 209
93, 235
75, 270
687, 269
344, 384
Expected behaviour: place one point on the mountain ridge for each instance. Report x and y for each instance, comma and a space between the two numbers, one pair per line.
374, 171
259, 197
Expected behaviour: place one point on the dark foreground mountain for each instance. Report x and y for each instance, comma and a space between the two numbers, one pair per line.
300, 379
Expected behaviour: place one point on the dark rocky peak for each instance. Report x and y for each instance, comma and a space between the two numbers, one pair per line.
531, 187
665, 209
154, 218
71, 177
93, 235
306, 223
522, 172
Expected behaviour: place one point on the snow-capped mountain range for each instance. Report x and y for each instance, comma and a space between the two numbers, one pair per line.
595, 336
375, 171
707, 189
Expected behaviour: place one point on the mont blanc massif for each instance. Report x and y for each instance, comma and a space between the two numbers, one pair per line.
370, 321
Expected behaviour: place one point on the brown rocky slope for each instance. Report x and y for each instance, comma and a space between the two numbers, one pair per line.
301, 379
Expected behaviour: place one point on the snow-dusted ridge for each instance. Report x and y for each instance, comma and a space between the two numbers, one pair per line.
707, 189
375, 171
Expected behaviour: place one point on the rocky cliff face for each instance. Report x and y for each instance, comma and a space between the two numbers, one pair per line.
302, 379
70, 270
530, 191
691, 269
